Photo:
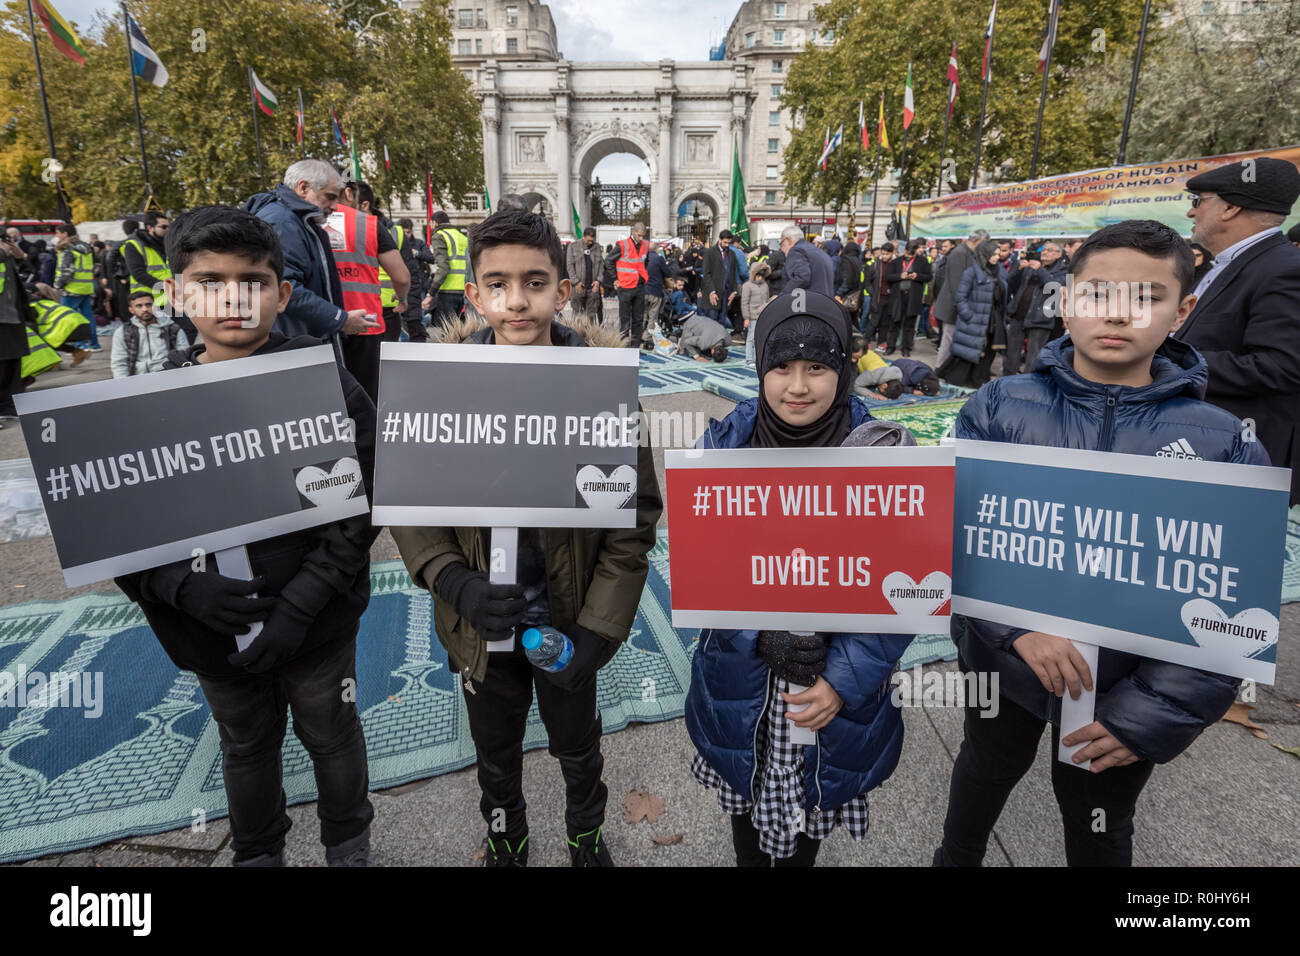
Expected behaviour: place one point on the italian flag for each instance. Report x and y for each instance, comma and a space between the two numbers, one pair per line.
63, 37
262, 95
909, 108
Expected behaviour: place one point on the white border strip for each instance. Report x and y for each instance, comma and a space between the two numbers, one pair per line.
211, 543
508, 355
814, 621
45, 400
925, 456
449, 516
1142, 466
1189, 655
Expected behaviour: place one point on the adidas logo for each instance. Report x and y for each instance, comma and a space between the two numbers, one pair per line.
1179, 449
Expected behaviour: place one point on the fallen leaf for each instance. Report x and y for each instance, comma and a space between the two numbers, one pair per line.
1239, 713
1293, 751
479, 855
672, 839
639, 805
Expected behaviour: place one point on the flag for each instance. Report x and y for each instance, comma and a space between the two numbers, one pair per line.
428, 202
388, 164
909, 108
988, 41
144, 61
826, 151
487, 201
832, 144
1049, 33
301, 125
577, 222
952, 80
356, 162
862, 127
739, 219
262, 95
881, 136
62, 35
338, 130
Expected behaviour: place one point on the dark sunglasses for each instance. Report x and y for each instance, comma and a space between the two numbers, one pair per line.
1197, 199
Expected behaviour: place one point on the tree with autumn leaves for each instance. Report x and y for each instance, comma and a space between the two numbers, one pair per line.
876, 39
387, 70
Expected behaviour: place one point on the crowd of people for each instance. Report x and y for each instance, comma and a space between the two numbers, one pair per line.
315, 260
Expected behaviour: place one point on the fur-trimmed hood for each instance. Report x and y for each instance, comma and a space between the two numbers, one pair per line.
578, 331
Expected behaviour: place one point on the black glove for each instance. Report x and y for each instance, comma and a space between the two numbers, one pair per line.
493, 610
282, 635
588, 648
223, 603
798, 659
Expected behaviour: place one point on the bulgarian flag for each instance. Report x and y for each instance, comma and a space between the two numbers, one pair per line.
262, 95
882, 137
909, 109
62, 35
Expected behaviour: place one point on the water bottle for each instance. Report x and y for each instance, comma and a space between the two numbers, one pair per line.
547, 648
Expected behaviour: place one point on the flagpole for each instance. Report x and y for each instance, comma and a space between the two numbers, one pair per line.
943, 148
257, 129
135, 95
1042, 96
428, 202
857, 173
64, 212
902, 167
1133, 85
875, 174
984, 99
302, 124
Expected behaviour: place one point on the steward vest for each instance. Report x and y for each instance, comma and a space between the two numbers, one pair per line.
458, 252
131, 338
55, 322
156, 265
83, 273
631, 263
387, 295
862, 273
354, 240
40, 356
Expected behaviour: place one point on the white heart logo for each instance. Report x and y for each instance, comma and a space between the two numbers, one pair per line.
332, 487
926, 596
1249, 632
604, 492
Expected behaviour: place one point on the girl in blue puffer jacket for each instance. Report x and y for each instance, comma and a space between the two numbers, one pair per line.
784, 798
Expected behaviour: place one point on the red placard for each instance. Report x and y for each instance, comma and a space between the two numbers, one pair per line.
822, 539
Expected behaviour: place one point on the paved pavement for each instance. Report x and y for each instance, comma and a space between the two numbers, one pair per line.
1230, 800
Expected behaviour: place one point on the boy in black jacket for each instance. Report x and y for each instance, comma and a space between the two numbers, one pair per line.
312, 585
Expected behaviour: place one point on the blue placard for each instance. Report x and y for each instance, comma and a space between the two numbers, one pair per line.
1173, 559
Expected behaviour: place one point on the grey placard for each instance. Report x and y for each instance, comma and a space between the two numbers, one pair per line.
463, 438
139, 472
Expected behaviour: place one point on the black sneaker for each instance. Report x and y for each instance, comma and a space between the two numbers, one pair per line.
503, 852
588, 849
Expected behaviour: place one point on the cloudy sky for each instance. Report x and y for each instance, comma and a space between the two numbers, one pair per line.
676, 29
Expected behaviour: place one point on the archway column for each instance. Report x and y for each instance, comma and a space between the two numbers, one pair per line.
662, 220
563, 177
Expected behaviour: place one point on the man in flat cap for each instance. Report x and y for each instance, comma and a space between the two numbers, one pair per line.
1247, 316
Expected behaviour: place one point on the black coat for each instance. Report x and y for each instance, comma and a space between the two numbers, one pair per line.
326, 569
714, 279
909, 301
1247, 325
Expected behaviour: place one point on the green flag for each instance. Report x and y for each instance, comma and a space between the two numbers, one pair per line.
356, 161
739, 220
577, 223
487, 201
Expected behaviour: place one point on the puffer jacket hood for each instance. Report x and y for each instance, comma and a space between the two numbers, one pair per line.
857, 750
1154, 708
577, 332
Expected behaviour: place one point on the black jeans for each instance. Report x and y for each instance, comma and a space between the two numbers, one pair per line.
447, 307
1037, 339
414, 322
498, 712
250, 711
361, 358
744, 837
996, 753
1015, 340
631, 314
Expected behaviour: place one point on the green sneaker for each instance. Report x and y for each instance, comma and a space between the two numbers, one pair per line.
502, 852
588, 849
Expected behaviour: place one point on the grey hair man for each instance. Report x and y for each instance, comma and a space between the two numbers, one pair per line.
944, 309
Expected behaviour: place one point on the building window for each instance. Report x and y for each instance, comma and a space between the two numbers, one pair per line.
478, 45
479, 19
778, 66
776, 91
778, 11
774, 118
512, 16
769, 197
464, 48
771, 172
749, 40
828, 36
512, 45
778, 37
813, 34
465, 18
774, 146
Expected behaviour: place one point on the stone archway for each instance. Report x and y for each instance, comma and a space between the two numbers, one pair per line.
620, 205
697, 213
538, 203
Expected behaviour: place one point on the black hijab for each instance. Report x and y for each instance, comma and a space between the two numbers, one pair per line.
819, 333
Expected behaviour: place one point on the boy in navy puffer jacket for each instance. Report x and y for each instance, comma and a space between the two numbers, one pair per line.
1115, 383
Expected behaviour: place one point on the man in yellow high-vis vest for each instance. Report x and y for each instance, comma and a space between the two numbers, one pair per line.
146, 266
451, 268
75, 278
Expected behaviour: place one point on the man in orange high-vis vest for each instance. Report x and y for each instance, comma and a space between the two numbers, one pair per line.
627, 263
354, 242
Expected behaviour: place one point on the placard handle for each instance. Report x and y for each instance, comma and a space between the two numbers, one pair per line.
234, 563
503, 553
1077, 714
